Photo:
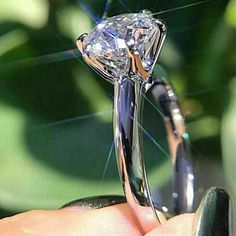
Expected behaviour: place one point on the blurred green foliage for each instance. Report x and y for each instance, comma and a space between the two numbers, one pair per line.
56, 117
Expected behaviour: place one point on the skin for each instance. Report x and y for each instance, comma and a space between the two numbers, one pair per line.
73, 221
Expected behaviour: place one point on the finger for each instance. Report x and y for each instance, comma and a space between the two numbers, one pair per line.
115, 220
146, 216
177, 226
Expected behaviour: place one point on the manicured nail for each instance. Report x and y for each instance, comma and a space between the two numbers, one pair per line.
97, 202
214, 215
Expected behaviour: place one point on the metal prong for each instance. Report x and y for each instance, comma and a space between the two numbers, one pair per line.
92, 61
99, 67
157, 46
88, 60
79, 42
146, 12
139, 65
132, 61
136, 65
161, 25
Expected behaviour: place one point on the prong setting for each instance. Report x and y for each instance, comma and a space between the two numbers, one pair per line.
125, 45
139, 66
136, 66
162, 25
79, 42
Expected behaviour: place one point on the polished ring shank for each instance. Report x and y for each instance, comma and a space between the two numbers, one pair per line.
127, 107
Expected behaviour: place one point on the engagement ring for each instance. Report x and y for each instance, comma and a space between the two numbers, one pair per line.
124, 50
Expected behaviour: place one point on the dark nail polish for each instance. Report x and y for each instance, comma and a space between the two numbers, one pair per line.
214, 215
96, 202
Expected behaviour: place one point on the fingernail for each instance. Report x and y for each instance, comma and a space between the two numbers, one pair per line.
92, 203
214, 215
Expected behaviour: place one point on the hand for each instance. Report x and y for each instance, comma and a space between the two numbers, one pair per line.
113, 220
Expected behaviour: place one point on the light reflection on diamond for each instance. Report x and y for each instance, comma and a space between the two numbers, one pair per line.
121, 43
101, 25
108, 42
98, 47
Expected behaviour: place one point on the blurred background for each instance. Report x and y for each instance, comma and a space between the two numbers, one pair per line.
56, 140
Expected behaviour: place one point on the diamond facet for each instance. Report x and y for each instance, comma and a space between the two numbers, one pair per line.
110, 41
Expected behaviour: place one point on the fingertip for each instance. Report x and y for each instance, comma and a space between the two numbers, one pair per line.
178, 226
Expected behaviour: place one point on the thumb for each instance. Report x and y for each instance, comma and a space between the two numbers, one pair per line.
178, 226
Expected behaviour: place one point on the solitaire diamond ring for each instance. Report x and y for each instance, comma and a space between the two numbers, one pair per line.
124, 50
